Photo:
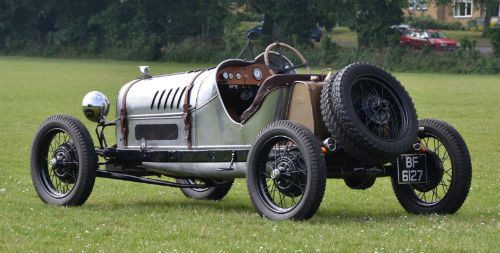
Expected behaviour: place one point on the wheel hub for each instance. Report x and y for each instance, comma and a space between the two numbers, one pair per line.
377, 109
286, 177
435, 171
53, 163
63, 163
275, 174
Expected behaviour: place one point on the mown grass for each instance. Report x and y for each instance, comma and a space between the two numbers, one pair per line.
341, 34
131, 217
471, 35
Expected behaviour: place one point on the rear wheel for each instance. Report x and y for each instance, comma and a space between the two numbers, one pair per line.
63, 161
210, 193
449, 172
286, 172
359, 182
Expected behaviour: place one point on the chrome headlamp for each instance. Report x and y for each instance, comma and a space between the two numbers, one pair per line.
95, 106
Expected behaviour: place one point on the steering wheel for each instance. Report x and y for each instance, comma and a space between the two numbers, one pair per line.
282, 68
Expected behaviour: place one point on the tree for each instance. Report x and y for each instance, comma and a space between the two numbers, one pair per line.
286, 19
211, 14
296, 18
490, 6
372, 21
330, 13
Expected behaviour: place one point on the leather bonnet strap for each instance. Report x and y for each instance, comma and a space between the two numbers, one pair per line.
187, 112
123, 113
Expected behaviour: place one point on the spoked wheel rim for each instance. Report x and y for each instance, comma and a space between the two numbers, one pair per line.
439, 178
198, 182
282, 174
379, 109
58, 163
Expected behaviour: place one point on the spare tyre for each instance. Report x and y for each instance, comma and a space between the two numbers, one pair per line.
369, 113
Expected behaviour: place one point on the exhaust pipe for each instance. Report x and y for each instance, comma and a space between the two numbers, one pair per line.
330, 143
200, 170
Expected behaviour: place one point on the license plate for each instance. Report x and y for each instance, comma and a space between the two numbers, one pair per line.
412, 169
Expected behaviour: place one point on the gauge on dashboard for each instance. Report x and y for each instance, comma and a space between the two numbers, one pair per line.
257, 74
238, 76
231, 76
225, 75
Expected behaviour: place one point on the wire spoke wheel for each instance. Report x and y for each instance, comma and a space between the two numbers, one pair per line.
63, 161
283, 177
286, 172
440, 173
449, 172
58, 163
216, 192
378, 108
198, 182
369, 112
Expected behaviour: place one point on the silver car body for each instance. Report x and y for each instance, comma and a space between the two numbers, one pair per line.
158, 101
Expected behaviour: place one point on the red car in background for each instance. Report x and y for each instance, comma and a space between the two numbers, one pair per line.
436, 39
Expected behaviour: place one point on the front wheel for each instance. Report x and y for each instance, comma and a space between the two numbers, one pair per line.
449, 172
286, 172
63, 161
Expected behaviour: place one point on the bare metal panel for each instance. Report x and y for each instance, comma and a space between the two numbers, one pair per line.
160, 99
274, 107
212, 126
301, 107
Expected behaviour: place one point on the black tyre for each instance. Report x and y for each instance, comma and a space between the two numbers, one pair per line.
361, 182
286, 173
63, 161
448, 176
210, 193
369, 113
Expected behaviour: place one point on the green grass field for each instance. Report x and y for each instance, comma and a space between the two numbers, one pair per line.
130, 217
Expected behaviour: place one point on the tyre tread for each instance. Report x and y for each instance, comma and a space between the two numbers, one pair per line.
318, 173
342, 125
87, 160
213, 193
461, 176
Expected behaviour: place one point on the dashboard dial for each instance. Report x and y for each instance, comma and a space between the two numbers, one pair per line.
225, 75
257, 74
231, 76
238, 76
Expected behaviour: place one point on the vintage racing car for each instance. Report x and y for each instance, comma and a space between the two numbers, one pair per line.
286, 133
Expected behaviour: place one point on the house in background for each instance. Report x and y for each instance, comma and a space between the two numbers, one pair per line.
458, 10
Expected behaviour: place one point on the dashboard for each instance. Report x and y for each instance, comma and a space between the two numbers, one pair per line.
239, 80
253, 74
